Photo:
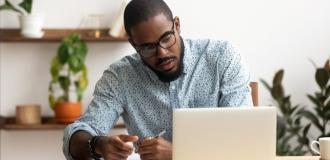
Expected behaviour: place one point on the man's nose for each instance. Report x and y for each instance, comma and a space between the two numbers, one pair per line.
161, 52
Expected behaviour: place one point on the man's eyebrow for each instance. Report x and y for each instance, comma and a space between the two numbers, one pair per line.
165, 34
146, 44
162, 36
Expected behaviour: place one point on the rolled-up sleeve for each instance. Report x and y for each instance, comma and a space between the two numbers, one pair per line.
102, 113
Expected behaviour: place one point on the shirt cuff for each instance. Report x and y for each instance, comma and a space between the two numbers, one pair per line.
69, 131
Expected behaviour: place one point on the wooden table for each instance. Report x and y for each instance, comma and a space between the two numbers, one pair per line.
299, 158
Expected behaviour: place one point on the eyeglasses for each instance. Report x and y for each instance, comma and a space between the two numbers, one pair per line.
167, 40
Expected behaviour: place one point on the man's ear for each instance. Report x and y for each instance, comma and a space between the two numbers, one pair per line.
177, 24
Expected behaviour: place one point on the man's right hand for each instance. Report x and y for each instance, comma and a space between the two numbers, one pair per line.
115, 147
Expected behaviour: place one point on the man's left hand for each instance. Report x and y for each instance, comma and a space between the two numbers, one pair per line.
155, 149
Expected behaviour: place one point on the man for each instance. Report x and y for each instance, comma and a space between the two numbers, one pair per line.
167, 72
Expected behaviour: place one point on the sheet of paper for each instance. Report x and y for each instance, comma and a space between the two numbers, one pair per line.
134, 156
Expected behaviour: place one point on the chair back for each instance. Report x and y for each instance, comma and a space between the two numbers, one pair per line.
254, 92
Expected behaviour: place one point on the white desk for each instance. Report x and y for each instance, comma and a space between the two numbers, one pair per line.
136, 157
298, 158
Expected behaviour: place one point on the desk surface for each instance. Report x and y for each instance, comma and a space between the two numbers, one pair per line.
299, 158
135, 156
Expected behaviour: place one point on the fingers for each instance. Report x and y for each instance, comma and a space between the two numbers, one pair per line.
128, 138
146, 150
120, 145
147, 156
148, 147
150, 141
155, 148
117, 149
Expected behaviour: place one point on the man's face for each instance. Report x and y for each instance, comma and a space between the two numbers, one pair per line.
158, 42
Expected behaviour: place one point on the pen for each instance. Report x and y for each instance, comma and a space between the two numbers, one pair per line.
148, 138
160, 134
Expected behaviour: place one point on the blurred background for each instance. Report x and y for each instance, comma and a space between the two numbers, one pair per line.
269, 34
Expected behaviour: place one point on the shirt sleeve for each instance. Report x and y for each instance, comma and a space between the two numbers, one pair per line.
235, 89
102, 113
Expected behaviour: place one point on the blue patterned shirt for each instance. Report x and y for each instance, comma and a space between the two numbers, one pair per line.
213, 76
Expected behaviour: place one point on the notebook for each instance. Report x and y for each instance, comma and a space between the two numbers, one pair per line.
240, 133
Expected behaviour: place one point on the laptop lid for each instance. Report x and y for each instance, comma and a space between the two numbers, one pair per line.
240, 133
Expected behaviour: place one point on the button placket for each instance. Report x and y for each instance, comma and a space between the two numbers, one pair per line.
173, 94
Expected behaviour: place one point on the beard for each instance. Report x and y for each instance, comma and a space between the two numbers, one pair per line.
168, 77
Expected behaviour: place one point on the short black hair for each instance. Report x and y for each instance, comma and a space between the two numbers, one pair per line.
138, 11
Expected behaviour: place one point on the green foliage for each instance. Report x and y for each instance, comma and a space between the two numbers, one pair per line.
289, 127
25, 5
68, 70
320, 115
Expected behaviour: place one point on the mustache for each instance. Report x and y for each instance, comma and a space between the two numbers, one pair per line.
161, 60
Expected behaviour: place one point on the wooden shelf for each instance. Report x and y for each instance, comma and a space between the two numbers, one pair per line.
48, 123
56, 35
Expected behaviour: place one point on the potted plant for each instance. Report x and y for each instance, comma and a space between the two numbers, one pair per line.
31, 25
289, 126
69, 79
319, 115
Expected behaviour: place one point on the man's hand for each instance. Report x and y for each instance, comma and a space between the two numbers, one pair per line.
115, 147
155, 149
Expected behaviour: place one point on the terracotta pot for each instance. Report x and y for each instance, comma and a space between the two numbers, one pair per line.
67, 112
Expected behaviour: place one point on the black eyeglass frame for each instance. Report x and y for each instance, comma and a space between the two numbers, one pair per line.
138, 48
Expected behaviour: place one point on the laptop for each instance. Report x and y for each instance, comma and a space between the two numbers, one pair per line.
240, 133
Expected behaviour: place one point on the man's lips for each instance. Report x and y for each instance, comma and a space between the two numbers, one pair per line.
167, 65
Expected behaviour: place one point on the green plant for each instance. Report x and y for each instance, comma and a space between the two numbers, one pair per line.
68, 71
289, 127
25, 7
321, 99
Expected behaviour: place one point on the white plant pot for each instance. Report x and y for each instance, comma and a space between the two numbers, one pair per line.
31, 26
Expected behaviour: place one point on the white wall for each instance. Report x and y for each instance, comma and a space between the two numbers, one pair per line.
269, 34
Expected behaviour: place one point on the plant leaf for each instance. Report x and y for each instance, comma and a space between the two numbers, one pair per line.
9, 6
63, 54
81, 50
52, 102
313, 118
79, 94
327, 65
281, 128
83, 81
327, 92
277, 92
266, 85
75, 64
297, 121
64, 82
319, 111
314, 100
5, 7
295, 108
26, 5
320, 97
326, 111
306, 129
322, 77
278, 78
327, 107
55, 68
72, 52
